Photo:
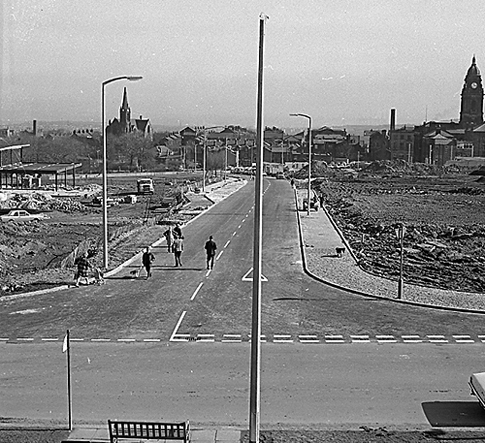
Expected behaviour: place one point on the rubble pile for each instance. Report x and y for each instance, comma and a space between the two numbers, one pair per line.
443, 252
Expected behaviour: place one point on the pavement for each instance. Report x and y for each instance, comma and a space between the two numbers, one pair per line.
86, 434
319, 238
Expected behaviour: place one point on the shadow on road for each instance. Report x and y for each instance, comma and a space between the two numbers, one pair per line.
454, 413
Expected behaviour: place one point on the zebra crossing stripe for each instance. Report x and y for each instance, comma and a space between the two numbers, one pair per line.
151, 339
25, 339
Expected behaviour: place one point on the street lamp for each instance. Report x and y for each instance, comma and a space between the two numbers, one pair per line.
400, 232
309, 156
105, 174
204, 152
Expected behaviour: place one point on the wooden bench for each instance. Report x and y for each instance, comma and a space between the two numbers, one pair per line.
148, 431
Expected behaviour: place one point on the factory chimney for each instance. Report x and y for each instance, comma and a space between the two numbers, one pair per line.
34, 127
393, 120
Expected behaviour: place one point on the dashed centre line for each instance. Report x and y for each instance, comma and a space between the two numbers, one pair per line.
227, 244
196, 291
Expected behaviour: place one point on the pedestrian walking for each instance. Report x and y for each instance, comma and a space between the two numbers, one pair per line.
177, 248
169, 237
147, 259
177, 230
83, 267
210, 249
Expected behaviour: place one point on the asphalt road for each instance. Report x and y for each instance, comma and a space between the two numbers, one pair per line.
336, 386
160, 375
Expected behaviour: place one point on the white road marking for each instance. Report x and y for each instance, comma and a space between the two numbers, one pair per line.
178, 325
481, 338
101, 339
126, 339
151, 339
205, 337
437, 339
219, 255
25, 339
282, 338
231, 338
239, 227
463, 339
386, 339
227, 244
196, 291
360, 339
411, 339
49, 339
234, 233
244, 220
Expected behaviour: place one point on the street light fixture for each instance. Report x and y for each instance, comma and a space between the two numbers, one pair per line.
309, 156
105, 174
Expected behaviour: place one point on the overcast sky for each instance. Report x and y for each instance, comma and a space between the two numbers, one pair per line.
343, 62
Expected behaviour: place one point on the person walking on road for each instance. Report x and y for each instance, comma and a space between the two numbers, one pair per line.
177, 231
83, 267
147, 259
210, 249
169, 237
177, 248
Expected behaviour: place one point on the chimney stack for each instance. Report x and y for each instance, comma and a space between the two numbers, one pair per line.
34, 127
393, 120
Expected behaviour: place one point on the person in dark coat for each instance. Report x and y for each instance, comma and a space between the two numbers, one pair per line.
177, 231
147, 259
83, 267
210, 249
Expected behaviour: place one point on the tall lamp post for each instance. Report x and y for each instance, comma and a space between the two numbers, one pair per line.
309, 156
400, 232
204, 149
105, 174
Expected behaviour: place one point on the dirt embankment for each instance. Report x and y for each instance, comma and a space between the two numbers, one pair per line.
444, 242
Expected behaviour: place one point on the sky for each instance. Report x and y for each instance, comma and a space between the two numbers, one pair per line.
345, 62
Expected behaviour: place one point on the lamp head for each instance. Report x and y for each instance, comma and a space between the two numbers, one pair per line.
134, 78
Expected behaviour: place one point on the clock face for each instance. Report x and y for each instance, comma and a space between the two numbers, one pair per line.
474, 85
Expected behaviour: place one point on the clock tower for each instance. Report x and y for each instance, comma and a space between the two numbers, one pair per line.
471, 113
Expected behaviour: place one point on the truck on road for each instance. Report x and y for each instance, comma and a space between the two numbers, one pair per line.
145, 186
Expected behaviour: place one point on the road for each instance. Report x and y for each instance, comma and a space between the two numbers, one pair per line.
336, 386
176, 345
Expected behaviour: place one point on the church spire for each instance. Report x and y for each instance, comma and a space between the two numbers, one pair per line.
125, 113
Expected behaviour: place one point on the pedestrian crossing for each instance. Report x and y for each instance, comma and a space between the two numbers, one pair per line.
438, 339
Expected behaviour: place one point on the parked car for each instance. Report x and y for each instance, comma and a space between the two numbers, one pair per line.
22, 215
477, 387
280, 176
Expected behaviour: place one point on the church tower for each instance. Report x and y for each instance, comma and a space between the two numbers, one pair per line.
125, 114
471, 113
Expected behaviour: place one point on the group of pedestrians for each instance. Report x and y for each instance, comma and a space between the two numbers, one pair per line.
175, 244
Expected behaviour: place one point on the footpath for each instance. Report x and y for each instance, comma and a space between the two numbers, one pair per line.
320, 237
